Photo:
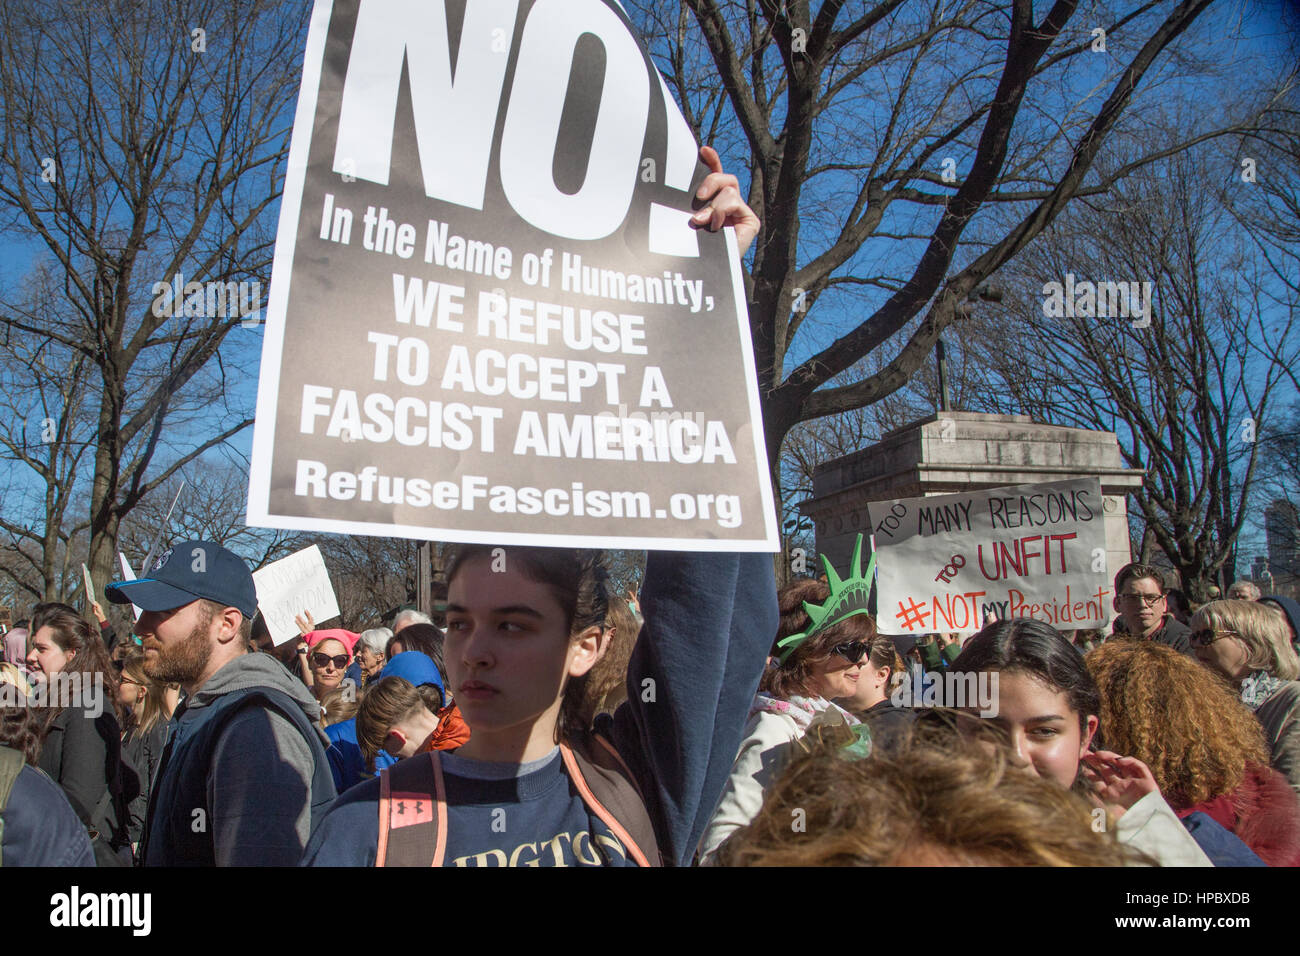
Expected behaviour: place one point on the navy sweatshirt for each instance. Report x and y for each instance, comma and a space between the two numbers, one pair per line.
40, 826
709, 622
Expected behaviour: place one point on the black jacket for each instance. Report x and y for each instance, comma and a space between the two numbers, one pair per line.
1172, 633
890, 726
83, 755
144, 752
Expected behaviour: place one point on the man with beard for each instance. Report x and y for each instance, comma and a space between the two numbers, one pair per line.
244, 770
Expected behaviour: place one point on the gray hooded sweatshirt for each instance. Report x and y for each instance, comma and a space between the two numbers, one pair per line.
259, 779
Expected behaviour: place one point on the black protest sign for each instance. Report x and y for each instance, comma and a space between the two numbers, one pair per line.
490, 318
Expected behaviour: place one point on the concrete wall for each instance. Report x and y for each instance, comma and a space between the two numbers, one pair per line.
951, 452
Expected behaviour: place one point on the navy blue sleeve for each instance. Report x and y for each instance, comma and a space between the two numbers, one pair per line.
709, 623
1222, 846
348, 833
41, 828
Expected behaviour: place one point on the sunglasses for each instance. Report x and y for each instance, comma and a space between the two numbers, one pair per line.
323, 660
852, 651
1207, 637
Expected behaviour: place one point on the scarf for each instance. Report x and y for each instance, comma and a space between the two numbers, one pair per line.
802, 710
819, 720
1259, 687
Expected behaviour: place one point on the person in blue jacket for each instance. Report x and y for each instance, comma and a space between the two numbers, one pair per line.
347, 763
38, 826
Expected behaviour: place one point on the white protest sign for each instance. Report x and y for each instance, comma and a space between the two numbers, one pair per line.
1037, 551
290, 586
127, 575
90, 587
490, 319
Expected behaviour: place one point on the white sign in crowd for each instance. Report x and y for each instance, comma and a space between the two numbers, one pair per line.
292, 585
945, 563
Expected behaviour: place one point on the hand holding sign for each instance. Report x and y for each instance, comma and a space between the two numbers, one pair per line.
720, 192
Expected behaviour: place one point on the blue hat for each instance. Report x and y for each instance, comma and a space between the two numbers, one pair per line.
186, 572
416, 667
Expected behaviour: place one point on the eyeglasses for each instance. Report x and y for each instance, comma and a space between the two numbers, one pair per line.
323, 660
127, 680
1208, 636
1146, 599
852, 651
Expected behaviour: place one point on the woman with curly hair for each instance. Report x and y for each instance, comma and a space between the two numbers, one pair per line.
1248, 644
941, 801
793, 696
1205, 749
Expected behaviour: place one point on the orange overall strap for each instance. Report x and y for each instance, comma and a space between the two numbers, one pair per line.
412, 813
589, 798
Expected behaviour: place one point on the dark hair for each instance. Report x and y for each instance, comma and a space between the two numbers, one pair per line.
607, 679
425, 638
1032, 647
794, 675
21, 729
579, 583
72, 632
213, 608
1133, 571
1178, 605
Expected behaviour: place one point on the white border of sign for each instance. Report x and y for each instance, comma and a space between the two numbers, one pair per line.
268, 384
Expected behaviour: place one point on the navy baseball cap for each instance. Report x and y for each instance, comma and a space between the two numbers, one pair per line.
414, 666
186, 572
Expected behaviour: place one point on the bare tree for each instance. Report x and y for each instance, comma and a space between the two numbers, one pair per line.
206, 501
43, 427
901, 154
1146, 316
144, 145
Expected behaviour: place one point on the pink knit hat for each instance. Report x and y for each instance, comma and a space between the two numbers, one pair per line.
347, 638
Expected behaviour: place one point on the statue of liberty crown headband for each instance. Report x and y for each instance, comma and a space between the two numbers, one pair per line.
848, 597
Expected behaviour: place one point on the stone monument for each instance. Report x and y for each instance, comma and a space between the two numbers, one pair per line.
950, 452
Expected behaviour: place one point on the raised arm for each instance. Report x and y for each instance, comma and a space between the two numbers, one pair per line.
709, 623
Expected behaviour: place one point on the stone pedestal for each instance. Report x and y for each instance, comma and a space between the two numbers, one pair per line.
950, 452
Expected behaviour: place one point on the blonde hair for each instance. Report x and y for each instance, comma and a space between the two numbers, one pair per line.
942, 798
155, 698
339, 704
1262, 629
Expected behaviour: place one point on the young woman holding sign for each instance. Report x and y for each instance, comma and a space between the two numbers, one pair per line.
534, 785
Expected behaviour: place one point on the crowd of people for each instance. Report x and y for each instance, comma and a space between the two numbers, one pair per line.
712, 719
708, 719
